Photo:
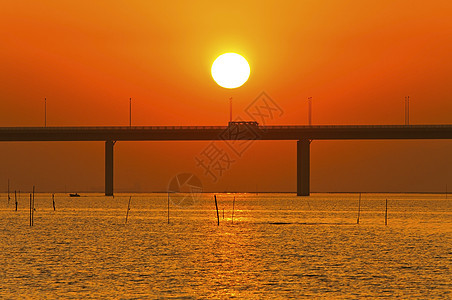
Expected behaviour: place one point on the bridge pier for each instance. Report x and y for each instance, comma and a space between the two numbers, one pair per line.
303, 167
109, 167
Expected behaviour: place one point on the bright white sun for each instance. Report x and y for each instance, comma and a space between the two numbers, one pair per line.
230, 70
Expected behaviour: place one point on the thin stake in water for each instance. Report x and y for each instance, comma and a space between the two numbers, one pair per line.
359, 208
233, 204
8, 192
30, 212
216, 206
53, 201
15, 198
168, 207
33, 208
386, 213
128, 208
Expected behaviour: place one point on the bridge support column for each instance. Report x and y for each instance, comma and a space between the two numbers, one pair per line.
303, 167
109, 168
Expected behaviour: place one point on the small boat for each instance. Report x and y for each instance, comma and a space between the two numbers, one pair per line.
74, 195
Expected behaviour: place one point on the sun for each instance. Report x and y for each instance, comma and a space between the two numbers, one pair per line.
230, 70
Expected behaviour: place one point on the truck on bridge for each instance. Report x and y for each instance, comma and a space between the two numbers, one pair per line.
243, 123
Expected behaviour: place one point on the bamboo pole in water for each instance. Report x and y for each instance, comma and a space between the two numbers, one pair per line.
359, 208
128, 208
8, 192
233, 204
386, 213
216, 206
30, 212
168, 206
15, 199
53, 201
33, 208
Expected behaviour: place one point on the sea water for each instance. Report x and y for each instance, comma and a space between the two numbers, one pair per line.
277, 246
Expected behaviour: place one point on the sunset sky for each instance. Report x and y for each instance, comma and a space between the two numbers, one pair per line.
356, 59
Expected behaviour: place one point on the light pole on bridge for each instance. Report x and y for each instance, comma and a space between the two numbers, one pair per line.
407, 110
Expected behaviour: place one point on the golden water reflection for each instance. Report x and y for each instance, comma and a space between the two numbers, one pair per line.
280, 246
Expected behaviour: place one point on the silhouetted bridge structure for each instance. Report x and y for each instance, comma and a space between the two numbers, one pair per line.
302, 134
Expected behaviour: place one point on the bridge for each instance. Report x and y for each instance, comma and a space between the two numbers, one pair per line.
235, 131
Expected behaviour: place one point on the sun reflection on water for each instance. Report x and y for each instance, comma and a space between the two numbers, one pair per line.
280, 246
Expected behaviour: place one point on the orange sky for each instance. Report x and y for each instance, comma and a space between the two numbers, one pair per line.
357, 59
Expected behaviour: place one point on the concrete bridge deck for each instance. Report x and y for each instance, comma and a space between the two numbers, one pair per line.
194, 133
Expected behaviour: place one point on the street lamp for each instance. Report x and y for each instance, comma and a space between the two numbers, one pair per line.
130, 112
